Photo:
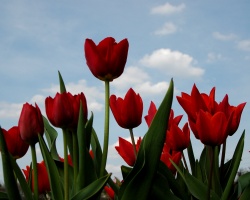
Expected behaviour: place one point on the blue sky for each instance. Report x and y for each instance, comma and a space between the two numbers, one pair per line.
202, 42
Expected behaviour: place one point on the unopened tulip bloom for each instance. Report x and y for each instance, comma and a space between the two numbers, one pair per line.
75, 100
110, 192
16, 146
43, 178
30, 123
127, 111
106, 60
60, 110
125, 149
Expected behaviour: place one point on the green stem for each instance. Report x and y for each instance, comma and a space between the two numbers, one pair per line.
75, 156
66, 167
133, 141
211, 155
223, 159
185, 162
106, 130
34, 166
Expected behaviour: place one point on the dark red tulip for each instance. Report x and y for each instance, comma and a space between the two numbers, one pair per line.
42, 175
30, 123
168, 154
178, 139
59, 110
126, 151
127, 111
106, 60
16, 146
75, 100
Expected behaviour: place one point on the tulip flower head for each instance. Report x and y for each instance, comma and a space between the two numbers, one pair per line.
16, 146
125, 149
30, 123
59, 110
106, 60
43, 178
127, 111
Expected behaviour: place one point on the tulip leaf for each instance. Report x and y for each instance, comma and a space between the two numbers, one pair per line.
3, 196
19, 175
8, 175
93, 189
51, 135
125, 171
149, 154
87, 174
191, 157
234, 166
246, 194
97, 151
54, 177
89, 126
243, 182
61, 82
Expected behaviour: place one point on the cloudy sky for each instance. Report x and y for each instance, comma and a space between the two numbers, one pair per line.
202, 42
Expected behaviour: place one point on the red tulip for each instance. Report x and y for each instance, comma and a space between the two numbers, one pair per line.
30, 123
110, 192
178, 139
173, 155
235, 111
59, 110
106, 60
125, 149
75, 100
15, 145
212, 129
43, 178
127, 111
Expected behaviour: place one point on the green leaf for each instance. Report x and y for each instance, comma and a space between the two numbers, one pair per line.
8, 175
234, 166
87, 173
61, 82
19, 175
246, 193
125, 171
3, 196
97, 151
93, 189
51, 135
54, 178
243, 182
149, 154
191, 158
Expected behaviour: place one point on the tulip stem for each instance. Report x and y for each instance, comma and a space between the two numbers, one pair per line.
211, 155
185, 162
106, 131
66, 167
133, 141
34, 166
75, 156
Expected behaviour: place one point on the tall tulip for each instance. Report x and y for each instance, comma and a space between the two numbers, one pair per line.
59, 110
16, 146
43, 178
106, 60
30, 123
127, 111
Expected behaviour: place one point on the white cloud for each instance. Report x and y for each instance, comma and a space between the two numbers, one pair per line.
244, 45
167, 28
138, 79
173, 63
224, 37
10, 110
167, 9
